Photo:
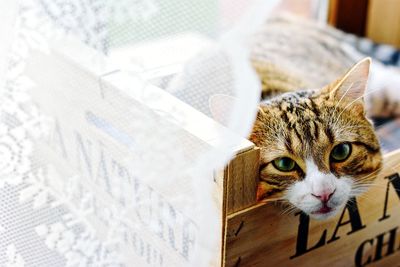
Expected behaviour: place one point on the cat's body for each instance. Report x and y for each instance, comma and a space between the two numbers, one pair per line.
290, 53
318, 148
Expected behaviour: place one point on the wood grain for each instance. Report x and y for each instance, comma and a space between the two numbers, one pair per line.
242, 180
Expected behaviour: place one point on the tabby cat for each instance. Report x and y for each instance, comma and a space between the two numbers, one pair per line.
318, 147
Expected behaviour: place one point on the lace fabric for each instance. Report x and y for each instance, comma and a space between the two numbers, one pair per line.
107, 142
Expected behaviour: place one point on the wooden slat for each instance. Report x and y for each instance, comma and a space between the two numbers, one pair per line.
384, 21
242, 181
262, 236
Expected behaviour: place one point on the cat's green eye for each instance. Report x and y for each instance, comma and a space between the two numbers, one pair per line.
341, 152
284, 164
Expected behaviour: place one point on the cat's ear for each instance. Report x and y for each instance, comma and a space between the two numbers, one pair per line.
352, 86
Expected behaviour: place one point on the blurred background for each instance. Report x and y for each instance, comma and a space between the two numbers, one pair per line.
161, 26
360, 17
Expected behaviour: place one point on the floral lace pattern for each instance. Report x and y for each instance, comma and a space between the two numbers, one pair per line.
85, 185
32, 211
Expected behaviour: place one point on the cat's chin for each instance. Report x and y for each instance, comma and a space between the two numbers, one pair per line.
321, 215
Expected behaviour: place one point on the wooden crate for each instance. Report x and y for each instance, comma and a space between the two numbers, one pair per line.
251, 234
365, 232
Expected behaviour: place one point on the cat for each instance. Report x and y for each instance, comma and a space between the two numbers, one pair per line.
318, 147
322, 138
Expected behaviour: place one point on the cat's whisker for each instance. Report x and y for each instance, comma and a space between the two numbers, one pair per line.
389, 161
368, 176
364, 197
395, 168
357, 192
271, 200
351, 201
340, 100
366, 179
360, 190
351, 127
365, 182
363, 185
289, 210
285, 204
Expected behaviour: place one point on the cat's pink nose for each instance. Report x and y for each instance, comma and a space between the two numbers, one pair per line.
325, 196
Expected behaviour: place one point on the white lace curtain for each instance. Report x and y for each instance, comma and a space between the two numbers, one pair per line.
107, 149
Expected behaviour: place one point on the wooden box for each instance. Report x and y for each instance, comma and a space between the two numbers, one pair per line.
250, 234
366, 232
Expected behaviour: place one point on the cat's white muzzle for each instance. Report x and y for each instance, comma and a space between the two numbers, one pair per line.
320, 195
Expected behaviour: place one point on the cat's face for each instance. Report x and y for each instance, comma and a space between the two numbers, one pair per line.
317, 147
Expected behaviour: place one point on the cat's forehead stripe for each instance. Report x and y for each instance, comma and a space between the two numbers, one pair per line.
300, 121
